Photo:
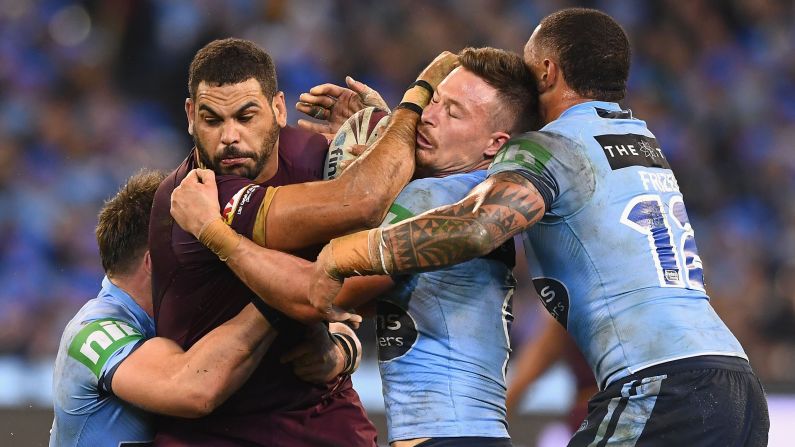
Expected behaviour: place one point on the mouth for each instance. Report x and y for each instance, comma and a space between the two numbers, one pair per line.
233, 161
422, 141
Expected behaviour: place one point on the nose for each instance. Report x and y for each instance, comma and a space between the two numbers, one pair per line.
430, 114
230, 133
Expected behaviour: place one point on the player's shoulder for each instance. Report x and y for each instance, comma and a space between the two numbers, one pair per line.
453, 184
535, 151
296, 143
547, 140
97, 331
99, 311
424, 194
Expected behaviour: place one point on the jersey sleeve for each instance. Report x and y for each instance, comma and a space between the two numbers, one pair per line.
557, 166
101, 345
425, 194
245, 205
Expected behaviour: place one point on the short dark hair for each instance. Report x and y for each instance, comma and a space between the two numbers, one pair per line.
592, 50
231, 61
505, 72
123, 227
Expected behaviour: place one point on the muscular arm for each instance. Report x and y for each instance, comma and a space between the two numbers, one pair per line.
305, 214
497, 209
492, 213
287, 287
162, 378
357, 293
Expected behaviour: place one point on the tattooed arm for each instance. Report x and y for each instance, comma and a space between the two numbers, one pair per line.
497, 209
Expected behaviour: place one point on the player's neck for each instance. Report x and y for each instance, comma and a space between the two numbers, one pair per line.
139, 289
553, 104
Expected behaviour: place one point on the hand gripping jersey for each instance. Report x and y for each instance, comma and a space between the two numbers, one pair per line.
614, 258
102, 334
443, 335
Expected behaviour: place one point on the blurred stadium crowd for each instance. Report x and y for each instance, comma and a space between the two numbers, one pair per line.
92, 91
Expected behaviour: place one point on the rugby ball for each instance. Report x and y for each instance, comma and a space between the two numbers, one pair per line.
363, 127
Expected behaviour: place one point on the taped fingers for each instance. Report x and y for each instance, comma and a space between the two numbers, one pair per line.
319, 113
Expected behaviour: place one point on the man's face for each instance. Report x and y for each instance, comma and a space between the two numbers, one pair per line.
457, 127
235, 127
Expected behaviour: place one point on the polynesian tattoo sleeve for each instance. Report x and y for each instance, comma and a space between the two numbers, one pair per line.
503, 205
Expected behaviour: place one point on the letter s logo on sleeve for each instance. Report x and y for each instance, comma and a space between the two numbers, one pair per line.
98, 340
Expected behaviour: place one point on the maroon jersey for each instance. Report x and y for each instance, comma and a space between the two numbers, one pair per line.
194, 292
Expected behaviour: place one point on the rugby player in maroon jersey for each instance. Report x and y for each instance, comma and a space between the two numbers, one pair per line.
237, 118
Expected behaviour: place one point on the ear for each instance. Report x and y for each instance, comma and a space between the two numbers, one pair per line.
496, 141
189, 107
147, 263
279, 109
549, 77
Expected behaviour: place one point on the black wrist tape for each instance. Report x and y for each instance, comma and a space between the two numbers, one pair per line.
410, 106
349, 348
422, 83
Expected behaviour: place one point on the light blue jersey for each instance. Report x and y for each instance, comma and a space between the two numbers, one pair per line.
614, 258
102, 334
443, 335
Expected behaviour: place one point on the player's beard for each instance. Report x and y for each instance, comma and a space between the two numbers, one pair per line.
232, 151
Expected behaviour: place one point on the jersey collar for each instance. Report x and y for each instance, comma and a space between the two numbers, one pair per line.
590, 105
145, 321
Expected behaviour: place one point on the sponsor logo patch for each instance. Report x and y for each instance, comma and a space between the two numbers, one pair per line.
623, 151
526, 153
395, 329
235, 205
98, 340
555, 297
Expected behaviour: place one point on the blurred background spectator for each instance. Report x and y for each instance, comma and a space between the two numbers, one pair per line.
92, 91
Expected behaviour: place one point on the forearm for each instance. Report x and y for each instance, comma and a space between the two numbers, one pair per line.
279, 279
302, 215
221, 361
377, 176
162, 378
491, 214
360, 291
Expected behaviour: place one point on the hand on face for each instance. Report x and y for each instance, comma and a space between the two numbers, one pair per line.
194, 203
334, 105
439, 68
